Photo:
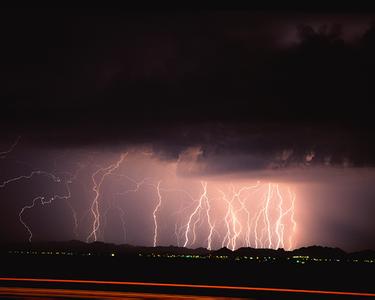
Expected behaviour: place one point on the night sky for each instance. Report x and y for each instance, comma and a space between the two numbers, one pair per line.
281, 96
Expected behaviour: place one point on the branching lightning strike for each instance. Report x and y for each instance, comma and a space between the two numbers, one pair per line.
102, 173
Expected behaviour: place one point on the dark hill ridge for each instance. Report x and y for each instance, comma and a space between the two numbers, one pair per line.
320, 252
98, 247
245, 251
223, 252
365, 254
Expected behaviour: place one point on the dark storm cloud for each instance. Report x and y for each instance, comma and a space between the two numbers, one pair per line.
255, 84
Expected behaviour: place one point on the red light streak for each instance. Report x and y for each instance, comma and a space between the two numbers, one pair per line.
192, 286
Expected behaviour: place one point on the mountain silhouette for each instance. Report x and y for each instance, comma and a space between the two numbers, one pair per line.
98, 247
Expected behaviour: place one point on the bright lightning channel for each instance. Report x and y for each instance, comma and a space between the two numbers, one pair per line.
102, 173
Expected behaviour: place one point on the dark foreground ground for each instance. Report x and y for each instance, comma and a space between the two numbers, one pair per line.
347, 277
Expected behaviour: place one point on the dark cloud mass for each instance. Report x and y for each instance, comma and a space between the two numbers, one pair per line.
257, 92
152, 76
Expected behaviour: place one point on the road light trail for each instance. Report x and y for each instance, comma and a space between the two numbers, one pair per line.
192, 286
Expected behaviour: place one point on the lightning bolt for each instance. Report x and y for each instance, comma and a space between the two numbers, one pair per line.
279, 225
138, 184
3, 154
44, 200
226, 220
268, 198
68, 182
137, 187
238, 196
233, 221
189, 222
203, 204
123, 225
41, 198
102, 173
257, 238
294, 228
75, 218
179, 230
32, 174
210, 224
155, 212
